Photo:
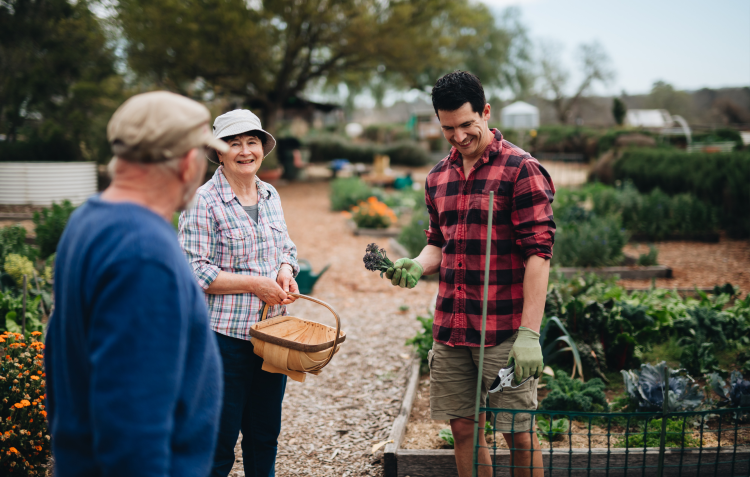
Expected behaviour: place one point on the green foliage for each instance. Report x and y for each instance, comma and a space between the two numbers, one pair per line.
13, 241
422, 341
11, 312
645, 388
50, 224
719, 179
678, 434
23, 424
555, 431
328, 148
573, 395
373, 214
348, 192
595, 242
17, 266
412, 235
702, 329
56, 69
447, 436
650, 258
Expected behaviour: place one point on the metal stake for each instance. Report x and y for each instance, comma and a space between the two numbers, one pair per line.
474, 468
665, 413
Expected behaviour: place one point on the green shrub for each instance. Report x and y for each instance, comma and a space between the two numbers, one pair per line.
11, 311
422, 341
650, 258
447, 436
50, 224
572, 395
13, 241
719, 179
593, 243
56, 148
373, 214
328, 148
348, 192
412, 235
23, 419
652, 434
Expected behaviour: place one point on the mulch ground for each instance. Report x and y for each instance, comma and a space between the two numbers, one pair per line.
331, 421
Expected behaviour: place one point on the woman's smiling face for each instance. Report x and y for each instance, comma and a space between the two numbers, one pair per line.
245, 155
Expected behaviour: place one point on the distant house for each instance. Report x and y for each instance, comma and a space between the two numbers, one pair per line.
520, 115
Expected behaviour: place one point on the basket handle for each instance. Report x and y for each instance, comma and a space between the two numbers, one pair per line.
264, 314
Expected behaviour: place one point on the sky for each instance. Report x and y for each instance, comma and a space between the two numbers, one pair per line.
690, 44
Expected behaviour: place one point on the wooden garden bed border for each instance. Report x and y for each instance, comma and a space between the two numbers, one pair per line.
389, 232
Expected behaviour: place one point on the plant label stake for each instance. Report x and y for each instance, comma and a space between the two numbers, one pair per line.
484, 332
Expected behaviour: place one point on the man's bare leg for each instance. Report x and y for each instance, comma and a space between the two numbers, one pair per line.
522, 457
463, 435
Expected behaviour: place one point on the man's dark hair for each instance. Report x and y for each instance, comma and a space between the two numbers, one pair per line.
254, 133
456, 89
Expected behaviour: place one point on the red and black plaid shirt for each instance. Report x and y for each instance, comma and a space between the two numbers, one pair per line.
522, 226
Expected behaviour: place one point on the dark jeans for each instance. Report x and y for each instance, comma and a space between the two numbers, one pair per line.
252, 403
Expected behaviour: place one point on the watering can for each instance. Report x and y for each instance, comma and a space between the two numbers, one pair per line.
305, 278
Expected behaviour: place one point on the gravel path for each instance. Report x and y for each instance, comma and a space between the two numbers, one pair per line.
331, 421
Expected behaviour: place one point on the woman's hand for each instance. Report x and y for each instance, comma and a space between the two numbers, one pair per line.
286, 281
269, 291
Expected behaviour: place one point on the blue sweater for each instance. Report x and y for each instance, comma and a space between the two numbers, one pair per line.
133, 370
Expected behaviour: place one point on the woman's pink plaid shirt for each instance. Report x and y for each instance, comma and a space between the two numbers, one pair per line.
522, 225
218, 235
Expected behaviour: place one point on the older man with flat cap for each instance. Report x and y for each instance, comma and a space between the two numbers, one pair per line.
133, 370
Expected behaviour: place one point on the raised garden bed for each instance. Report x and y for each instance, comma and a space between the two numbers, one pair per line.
625, 273
591, 456
389, 232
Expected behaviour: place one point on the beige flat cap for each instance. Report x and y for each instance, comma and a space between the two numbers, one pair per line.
159, 126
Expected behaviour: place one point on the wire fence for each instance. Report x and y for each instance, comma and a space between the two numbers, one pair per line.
696, 443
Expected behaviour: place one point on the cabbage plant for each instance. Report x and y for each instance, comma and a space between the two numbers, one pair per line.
645, 387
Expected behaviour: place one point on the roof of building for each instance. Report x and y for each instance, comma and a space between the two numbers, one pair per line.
520, 107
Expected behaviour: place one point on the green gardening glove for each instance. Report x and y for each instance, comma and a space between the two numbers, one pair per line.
527, 353
405, 273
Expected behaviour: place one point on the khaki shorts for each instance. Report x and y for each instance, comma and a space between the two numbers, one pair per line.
453, 385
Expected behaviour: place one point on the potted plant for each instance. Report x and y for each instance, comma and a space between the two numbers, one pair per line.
270, 170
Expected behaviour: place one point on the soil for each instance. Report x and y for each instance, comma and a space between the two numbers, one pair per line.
698, 264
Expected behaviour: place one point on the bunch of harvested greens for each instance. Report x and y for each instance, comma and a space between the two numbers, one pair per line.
376, 260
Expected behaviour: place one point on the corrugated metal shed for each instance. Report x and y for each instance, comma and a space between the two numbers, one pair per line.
42, 183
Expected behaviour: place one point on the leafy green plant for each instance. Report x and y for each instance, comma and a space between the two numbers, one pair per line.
447, 436
328, 148
678, 434
650, 258
700, 330
592, 243
422, 341
568, 394
561, 344
11, 311
551, 432
13, 241
412, 235
50, 224
348, 192
645, 387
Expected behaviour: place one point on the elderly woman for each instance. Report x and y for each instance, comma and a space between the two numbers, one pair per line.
237, 243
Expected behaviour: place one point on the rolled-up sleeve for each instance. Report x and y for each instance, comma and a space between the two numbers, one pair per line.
434, 234
197, 236
531, 212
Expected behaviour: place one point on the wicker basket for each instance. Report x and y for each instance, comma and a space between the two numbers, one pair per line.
293, 346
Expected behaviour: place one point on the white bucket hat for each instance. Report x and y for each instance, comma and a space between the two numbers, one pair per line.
237, 122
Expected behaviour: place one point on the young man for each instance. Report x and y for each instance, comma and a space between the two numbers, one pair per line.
457, 196
133, 368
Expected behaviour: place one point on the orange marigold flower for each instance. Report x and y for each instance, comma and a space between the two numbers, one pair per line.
39, 448
38, 372
2, 340
35, 378
25, 402
14, 450
18, 405
36, 333
43, 413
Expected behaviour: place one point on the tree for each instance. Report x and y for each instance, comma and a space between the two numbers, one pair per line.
594, 67
53, 62
618, 111
264, 53
664, 96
